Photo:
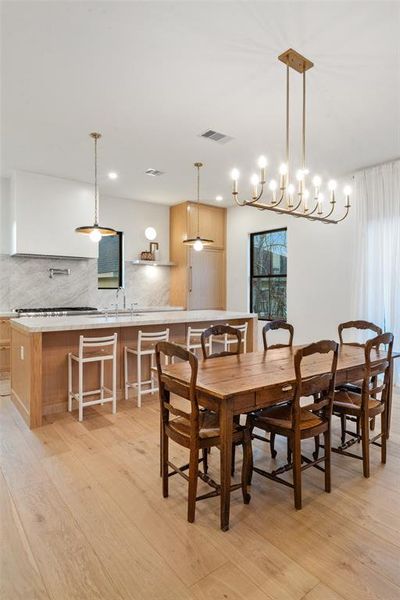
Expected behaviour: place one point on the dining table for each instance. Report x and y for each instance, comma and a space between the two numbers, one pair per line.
240, 384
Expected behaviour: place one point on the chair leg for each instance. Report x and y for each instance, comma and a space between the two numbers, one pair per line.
342, 428
372, 424
164, 461
365, 443
383, 436
205, 460
297, 473
358, 428
233, 460
289, 451
247, 466
193, 475
316, 451
272, 444
327, 444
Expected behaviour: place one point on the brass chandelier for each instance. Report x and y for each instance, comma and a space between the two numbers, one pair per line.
285, 197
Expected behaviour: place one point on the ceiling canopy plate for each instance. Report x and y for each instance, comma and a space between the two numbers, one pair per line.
296, 61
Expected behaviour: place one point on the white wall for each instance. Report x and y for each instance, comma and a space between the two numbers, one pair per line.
320, 267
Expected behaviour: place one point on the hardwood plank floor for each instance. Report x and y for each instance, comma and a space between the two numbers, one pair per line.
83, 518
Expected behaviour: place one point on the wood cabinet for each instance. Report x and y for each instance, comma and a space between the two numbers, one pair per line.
5, 343
198, 278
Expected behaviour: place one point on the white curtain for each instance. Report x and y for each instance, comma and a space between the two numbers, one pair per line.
377, 264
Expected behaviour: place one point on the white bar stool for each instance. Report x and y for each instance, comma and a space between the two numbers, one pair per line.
193, 339
227, 341
146, 346
99, 346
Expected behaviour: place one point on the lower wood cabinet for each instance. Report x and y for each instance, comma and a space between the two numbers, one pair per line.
5, 343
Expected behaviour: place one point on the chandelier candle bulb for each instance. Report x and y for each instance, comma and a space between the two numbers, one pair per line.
320, 200
290, 190
300, 179
254, 180
306, 196
347, 192
283, 172
262, 163
273, 187
332, 187
317, 184
235, 177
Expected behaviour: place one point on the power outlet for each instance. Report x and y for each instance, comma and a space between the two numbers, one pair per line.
22, 353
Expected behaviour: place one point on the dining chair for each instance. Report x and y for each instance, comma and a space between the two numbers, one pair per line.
228, 340
207, 349
220, 330
299, 423
193, 429
275, 326
359, 325
365, 404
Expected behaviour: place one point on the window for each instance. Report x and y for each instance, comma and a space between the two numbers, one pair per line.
268, 272
110, 263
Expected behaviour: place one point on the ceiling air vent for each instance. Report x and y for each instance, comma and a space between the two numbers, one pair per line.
216, 136
154, 172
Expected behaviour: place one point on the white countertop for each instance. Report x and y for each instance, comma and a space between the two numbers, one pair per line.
46, 324
11, 313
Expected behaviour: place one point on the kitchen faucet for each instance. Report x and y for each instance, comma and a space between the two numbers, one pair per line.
117, 296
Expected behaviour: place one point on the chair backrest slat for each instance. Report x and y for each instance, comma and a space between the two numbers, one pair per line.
168, 385
359, 325
217, 330
275, 326
378, 357
88, 343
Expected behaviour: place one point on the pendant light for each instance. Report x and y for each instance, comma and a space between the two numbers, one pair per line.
198, 242
95, 231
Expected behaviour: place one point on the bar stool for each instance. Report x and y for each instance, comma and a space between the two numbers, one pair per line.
192, 341
229, 340
91, 350
146, 346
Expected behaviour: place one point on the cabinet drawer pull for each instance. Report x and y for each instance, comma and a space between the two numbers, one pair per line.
287, 388
4, 347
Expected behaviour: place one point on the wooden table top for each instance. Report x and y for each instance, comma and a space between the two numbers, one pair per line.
226, 376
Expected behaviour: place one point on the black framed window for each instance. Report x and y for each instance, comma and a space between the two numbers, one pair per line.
110, 262
268, 274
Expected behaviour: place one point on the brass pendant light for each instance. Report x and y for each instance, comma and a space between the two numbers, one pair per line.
198, 242
95, 231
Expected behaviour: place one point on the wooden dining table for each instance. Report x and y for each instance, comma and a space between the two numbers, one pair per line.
234, 385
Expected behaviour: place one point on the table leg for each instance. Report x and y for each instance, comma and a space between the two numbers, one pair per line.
226, 426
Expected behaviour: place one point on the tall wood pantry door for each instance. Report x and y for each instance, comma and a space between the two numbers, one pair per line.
206, 279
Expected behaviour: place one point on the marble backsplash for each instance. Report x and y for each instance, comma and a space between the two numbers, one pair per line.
25, 282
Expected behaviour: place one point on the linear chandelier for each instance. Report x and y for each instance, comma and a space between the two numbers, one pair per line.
285, 197
95, 231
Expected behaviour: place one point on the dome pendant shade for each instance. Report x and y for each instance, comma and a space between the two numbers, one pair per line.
198, 242
95, 231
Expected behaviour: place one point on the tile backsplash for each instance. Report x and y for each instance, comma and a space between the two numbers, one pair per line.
25, 282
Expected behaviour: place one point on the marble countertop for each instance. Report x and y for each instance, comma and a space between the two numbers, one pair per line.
47, 324
12, 313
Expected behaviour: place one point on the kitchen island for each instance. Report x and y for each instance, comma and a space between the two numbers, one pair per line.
40, 345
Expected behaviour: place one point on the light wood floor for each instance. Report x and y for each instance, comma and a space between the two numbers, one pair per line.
83, 518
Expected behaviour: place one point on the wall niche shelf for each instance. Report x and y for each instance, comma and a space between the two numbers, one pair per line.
154, 263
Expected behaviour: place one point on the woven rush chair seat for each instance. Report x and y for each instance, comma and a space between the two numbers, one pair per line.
350, 403
280, 417
208, 425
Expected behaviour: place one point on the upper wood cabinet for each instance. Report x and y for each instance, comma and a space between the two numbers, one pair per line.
211, 223
198, 281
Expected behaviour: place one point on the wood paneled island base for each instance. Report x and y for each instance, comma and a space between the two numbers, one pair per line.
40, 345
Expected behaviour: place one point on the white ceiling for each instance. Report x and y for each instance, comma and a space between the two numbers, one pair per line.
151, 76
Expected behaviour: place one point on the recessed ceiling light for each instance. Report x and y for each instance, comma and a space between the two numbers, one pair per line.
113, 175
219, 198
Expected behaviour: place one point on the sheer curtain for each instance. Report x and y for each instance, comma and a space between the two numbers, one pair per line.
377, 252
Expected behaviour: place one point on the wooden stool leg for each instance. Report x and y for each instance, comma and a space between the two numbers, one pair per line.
297, 472
247, 466
327, 444
364, 422
164, 462
272, 444
193, 474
